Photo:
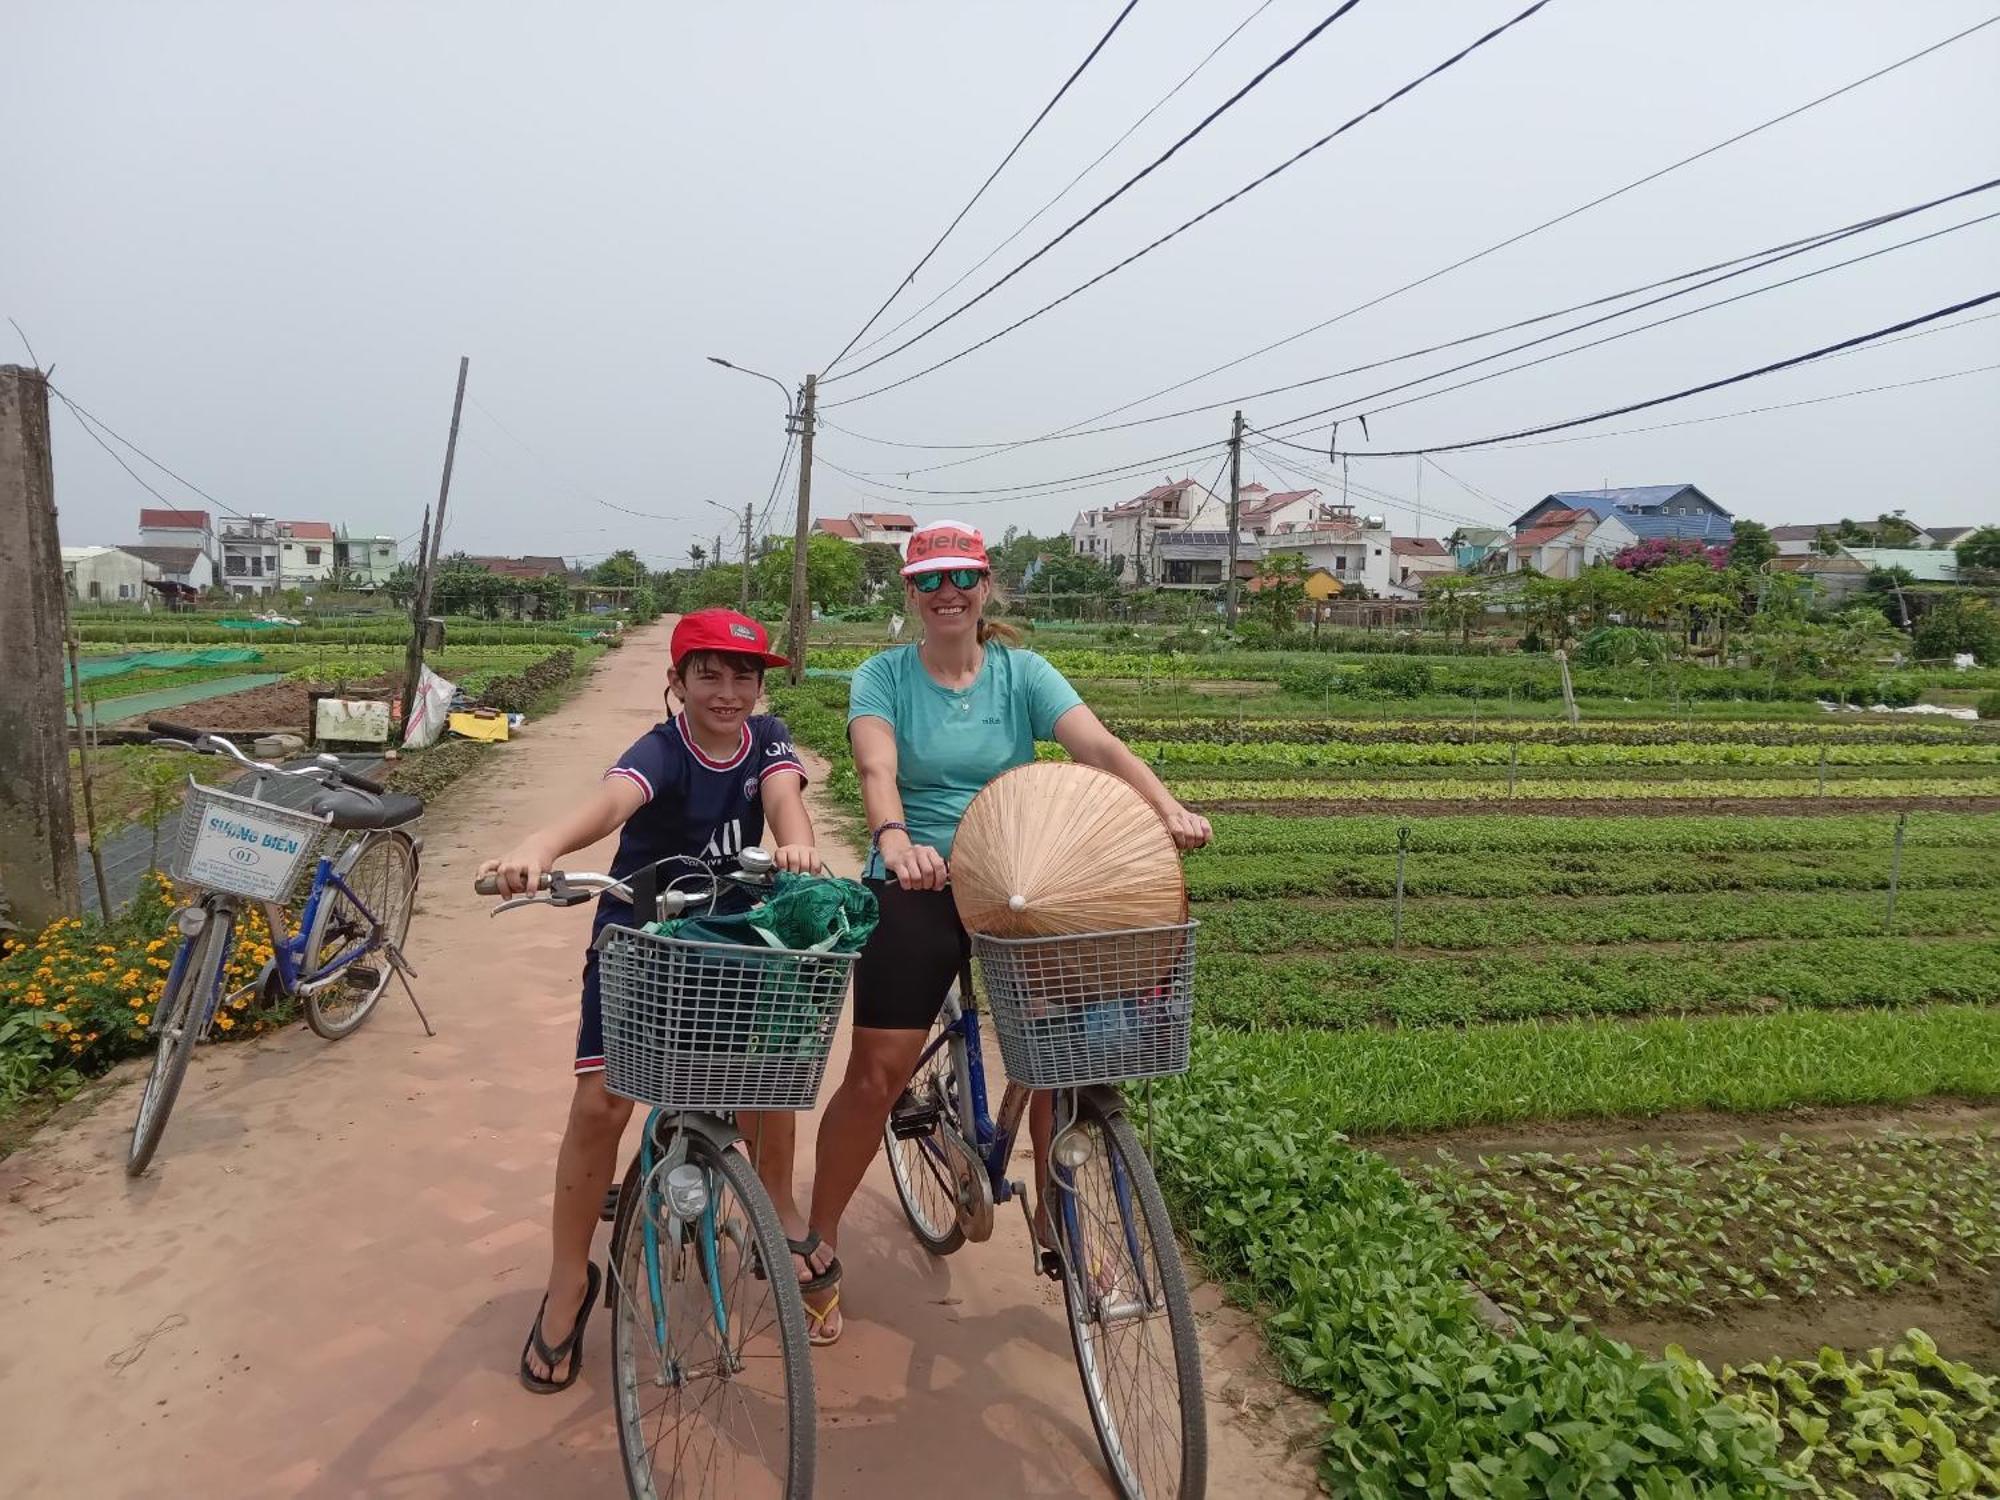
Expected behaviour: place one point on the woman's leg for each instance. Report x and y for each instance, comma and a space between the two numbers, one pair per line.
584, 1165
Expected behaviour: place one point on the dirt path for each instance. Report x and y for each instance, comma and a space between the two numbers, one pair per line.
322, 1287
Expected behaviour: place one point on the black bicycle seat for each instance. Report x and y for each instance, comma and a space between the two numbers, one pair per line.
350, 809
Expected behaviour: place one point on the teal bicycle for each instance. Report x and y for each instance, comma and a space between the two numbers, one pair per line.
713, 1380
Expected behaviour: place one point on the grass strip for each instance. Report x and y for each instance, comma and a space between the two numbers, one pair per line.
1377, 987
1690, 833
1198, 791
1343, 755
1215, 876
1376, 1081
1293, 926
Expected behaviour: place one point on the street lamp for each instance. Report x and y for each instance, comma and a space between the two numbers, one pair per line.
744, 592
799, 422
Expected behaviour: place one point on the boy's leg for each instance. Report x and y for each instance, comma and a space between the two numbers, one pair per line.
584, 1165
771, 1136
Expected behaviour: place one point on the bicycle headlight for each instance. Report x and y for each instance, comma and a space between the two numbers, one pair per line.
1072, 1149
191, 920
687, 1191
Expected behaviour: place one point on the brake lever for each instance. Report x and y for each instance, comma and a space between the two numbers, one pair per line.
517, 901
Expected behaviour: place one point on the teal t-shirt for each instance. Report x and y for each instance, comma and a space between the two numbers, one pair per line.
950, 744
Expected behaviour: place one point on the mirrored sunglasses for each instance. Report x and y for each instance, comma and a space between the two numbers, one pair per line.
962, 579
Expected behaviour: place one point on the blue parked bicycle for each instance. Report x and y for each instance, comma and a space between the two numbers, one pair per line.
240, 849
712, 1376
1078, 1015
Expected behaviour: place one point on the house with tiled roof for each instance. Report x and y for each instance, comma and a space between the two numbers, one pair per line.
888, 527
181, 529
1565, 542
527, 568
1126, 537
305, 554
1679, 512
1415, 558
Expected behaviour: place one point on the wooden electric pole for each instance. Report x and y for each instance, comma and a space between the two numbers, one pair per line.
1235, 499
420, 609
795, 635
38, 878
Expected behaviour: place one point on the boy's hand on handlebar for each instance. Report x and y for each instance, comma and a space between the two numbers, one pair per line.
798, 859
917, 867
1190, 830
520, 872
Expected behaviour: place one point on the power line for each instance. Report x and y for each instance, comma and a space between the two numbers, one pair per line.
1681, 395
1032, 125
1213, 115
1611, 338
1006, 494
1029, 222
1743, 264
575, 488
87, 419
1532, 230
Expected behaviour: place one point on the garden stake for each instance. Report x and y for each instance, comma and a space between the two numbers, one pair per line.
1895, 868
1402, 853
1822, 770
1513, 765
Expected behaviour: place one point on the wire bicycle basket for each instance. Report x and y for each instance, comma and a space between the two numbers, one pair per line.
242, 846
716, 1026
1094, 1007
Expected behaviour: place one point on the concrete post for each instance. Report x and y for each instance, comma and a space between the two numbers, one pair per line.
37, 833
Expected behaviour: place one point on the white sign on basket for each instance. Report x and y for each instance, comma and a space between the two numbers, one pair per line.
245, 855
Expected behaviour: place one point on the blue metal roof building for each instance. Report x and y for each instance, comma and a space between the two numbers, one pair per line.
1649, 511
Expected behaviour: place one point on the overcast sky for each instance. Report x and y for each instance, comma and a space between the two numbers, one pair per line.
255, 238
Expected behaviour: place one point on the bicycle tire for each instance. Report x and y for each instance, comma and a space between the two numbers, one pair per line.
1115, 1134
387, 882
906, 1158
178, 1020
630, 1342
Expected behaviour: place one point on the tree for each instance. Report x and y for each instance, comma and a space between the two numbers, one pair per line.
1066, 573
719, 587
1452, 601
1664, 551
549, 597
1547, 604
1894, 530
621, 570
880, 563
1981, 549
1956, 624
1279, 591
1751, 545
697, 554
1882, 590
833, 572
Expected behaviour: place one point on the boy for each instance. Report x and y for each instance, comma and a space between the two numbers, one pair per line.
703, 784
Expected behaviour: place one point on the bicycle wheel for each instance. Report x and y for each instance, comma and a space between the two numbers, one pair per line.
177, 1023
381, 870
712, 1376
1129, 1316
923, 1165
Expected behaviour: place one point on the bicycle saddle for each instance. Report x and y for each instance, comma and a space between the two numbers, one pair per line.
350, 809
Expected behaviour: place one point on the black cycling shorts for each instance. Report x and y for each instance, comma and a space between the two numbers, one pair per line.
911, 959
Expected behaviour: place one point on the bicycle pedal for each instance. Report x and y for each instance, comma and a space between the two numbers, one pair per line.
913, 1121
609, 1212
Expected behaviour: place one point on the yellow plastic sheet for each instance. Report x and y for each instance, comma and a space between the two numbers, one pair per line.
473, 727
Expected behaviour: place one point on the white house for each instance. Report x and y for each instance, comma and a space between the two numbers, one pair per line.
250, 555
890, 528
107, 575
305, 554
1126, 536
1565, 542
1417, 558
182, 528
191, 569
1355, 550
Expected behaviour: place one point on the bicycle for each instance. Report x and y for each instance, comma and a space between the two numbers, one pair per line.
1076, 1015
239, 849
697, 1031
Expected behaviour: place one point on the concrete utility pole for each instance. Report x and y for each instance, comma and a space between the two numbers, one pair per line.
37, 828
744, 607
795, 636
420, 609
1235, 498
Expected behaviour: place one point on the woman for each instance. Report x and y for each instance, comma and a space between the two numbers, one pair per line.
930, 725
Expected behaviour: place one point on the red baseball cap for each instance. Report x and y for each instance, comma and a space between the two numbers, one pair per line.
722, 630
942, 545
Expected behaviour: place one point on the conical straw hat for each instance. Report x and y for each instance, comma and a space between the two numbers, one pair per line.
1052, 848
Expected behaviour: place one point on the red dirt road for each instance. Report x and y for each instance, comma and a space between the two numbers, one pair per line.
322, 1286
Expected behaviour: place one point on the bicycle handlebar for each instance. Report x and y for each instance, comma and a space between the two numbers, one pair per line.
215, 744
569, 888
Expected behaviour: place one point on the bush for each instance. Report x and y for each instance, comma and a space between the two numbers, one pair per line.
78, 996
1408, 678
1989, 706
513, 694
1620, 646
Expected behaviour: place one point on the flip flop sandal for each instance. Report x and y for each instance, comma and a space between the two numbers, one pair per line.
570, 1349
816, 1334
805, 1249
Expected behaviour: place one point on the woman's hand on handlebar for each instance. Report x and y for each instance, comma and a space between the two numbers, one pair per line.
917, 867
519, 872
798, 859
1190, 830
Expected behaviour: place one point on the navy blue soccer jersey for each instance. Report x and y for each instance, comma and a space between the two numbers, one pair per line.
696, 805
